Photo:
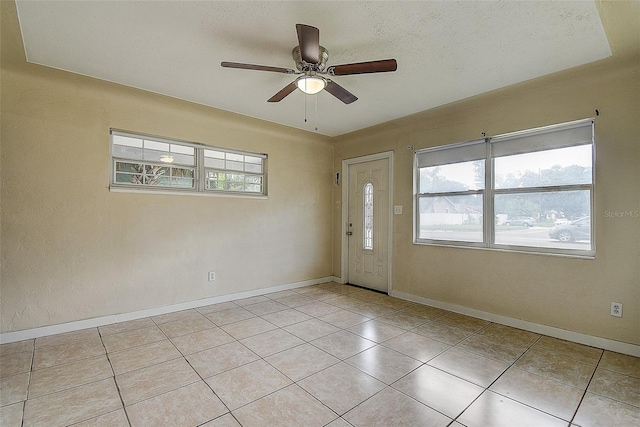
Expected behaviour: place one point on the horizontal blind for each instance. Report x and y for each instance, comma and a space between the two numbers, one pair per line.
550, 137
457, 153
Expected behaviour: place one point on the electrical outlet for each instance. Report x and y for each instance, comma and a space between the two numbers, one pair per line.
616, 309
212, 276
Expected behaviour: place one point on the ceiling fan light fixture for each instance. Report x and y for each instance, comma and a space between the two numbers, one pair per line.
311, 84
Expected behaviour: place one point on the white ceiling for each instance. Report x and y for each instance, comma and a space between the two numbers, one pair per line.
446, 50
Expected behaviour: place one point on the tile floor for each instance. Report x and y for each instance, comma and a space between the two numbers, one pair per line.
325, 355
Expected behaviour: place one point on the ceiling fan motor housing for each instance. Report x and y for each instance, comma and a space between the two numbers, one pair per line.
304, 66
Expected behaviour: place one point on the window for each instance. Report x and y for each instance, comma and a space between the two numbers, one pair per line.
150, 163
536, 186
368, 217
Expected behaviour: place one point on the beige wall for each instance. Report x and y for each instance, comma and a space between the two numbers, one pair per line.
72, 250
567, 293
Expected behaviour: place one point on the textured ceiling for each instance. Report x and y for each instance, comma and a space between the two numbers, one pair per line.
446, 51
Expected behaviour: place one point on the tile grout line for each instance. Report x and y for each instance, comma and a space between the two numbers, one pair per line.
593, 374
126, 414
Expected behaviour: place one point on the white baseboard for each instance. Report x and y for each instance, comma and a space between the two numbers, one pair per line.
604, 343
123, 317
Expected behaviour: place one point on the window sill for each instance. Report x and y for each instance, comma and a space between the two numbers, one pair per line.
118, 189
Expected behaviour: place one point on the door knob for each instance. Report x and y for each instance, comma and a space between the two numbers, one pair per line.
349, 233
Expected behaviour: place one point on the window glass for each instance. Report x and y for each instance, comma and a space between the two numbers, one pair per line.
531, 191
562, 166
453, 218
368, 216
157, 163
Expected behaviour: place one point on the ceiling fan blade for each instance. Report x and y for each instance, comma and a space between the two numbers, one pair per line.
257, 67
382, 66
309, 42
283, 93
339, 92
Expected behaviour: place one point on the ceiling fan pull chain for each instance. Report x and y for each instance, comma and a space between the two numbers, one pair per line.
305, 107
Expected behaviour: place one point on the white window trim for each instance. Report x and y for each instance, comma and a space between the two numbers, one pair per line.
489, 191
199, 171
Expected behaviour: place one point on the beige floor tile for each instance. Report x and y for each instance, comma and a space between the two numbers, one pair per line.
317, 309
222, 358
494, 410
208, 309
191, 405
295, 300
17, 347
290, 406
469, 366
62, 377
225, 317
267, 307
15, 363
247, 383
286, 317
616, 386
345, 301
344, 318
372, 310
175, 316
281, 294
392, 408
132, 338
395, 303
443, 392
557, 367
74, 405
223, 421
130, 325
339, 423
143, 356
516, 337
425, 311
67, 337
252, 300
301, 361
376, 331
177, 328
569, 350
461, 321
248, 328
51, 355
383, 363
151, 381
599, 411
493, 348
11, 415
341, 387
542, 393
112, 419
442, 332
417, 346
13, 389
621, 363
202, 340
343, 344
312, 329
403, 320
271, 342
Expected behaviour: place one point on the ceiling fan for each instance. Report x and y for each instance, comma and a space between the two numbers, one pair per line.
311, 63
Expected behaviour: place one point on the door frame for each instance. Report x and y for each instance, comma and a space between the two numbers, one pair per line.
344, 246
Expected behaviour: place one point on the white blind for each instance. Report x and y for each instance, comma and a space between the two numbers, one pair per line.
457, 153
550, 137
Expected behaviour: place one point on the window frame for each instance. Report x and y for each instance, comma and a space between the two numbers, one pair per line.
200, 171
490, 192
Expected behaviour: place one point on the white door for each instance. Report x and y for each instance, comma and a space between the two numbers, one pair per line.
368, 224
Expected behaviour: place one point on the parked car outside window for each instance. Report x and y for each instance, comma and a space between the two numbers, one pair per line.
579, 229
523, 221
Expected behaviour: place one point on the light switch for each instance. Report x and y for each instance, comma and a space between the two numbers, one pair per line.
397, 209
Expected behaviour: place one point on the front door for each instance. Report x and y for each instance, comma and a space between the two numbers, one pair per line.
368, 224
